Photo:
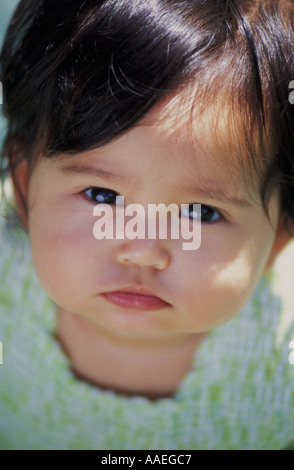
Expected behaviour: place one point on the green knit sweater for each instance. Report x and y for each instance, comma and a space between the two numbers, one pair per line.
239, 395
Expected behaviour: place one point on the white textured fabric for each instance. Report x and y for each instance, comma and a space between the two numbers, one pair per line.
239, 395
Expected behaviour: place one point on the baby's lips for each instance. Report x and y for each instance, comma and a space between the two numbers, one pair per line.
135, 297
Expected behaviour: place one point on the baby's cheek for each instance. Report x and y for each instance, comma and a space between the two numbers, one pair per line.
60, 258
230, 288
216, 293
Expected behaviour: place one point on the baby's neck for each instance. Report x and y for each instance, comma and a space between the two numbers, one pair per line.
127, 365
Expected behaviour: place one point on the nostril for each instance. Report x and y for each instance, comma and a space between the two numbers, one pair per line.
143, 255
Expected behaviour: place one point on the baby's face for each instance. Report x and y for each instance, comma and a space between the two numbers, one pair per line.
160, 161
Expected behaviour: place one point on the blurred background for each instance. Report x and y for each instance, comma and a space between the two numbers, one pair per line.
6, 10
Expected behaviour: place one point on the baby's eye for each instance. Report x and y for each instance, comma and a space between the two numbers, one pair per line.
101, 195
201, 212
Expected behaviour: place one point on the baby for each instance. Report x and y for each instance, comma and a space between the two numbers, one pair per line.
159, 102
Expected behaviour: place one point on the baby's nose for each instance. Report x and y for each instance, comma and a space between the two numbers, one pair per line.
144, 253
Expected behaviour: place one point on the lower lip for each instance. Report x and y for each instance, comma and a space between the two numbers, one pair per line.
135, 301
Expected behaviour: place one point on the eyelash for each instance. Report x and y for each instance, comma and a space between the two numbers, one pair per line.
188, 208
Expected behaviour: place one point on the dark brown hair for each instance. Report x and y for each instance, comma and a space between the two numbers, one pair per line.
76, 74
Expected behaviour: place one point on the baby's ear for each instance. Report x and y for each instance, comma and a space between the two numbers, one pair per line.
20, 177
284, 234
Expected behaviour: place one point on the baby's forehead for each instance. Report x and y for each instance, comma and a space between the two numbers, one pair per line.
217, 129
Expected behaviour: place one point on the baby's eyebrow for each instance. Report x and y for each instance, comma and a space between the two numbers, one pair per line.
92, 171
211, 191
218, 194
